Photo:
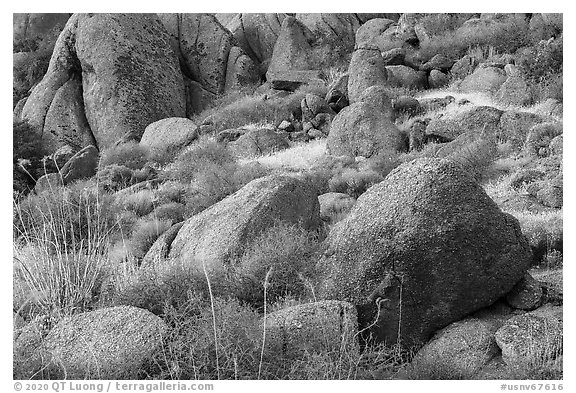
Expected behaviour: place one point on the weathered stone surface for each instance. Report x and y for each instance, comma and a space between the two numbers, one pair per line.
335, 205
222, 233
259, 142
292, 51
82, 165
202, 45
526, 295
437, 79
256, 33
478, 119
529, 339
427, 225
464, 67
326, 326
365, 128
66, 123
333, 27
369, 31
484, 80
130, 76
514, 91
107, 343
460, 350
169, 135
241, 70
366, 69
404, 76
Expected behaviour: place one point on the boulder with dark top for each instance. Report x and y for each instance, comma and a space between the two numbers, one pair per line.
221, 234
366, 69
82, 165
478, 119
107, 343
169, 135
325, 326
427, 225
365, 128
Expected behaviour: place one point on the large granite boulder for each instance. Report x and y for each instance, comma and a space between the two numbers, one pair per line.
366, 69
420, 250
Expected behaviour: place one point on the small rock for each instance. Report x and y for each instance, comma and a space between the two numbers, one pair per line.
526, 295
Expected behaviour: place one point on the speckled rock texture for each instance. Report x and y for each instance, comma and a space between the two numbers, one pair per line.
365, 128
367, 34
109, 343
130, 75
326, 326
170, 134
420, 250
223, 232
367, 68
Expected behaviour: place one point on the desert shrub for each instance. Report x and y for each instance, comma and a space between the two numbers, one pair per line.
542, 61
66, 217
171, 191
144, 234
283, 259
131, 154
504, 37
171, 211
115, 177
216, 182
141, 202
205, 153
28, 157
476, 157
353, 182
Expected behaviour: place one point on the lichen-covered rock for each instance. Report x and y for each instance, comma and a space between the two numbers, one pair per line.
427, 225
484, 80
366, 69
222, 233
202, 45
259, 142
66, 123
530, 339
130, 75
109, 343
365, 128
82, 165
169, 135
325, 326
478, 119
526, 294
